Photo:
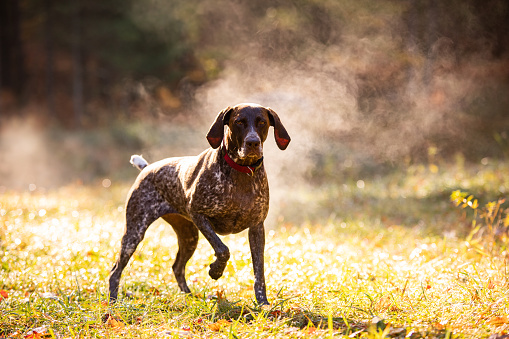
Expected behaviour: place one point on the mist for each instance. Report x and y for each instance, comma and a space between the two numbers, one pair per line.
357, 85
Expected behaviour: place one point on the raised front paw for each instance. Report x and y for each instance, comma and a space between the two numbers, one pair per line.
216, 270
218, 266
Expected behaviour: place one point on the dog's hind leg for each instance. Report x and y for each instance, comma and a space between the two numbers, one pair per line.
144, 206
187, 235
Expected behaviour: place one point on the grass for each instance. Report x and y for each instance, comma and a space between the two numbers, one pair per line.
383, 258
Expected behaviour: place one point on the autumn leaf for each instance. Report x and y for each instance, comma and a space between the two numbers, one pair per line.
38, 333
112, 322
218, 325
490, 285
475, 204
440, 325
387, 304
310, 330
154, 291
38, 336
498, 321
3, 294
276, 313
506, 219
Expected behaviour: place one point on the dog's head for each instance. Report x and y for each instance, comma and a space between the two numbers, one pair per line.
248, 126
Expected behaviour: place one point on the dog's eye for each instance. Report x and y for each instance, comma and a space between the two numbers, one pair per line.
261, 123
239, 122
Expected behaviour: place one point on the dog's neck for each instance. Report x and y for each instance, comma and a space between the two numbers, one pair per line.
248, 169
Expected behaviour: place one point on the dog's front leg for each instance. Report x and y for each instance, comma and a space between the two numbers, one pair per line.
221, 252
257, 245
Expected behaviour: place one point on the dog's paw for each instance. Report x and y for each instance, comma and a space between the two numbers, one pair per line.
216, 270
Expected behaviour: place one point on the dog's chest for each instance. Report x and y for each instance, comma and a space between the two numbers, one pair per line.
232, 205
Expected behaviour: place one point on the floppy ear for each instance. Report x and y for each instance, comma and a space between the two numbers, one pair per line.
216, 131
280, 133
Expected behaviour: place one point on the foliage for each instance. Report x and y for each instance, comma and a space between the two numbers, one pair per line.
414, 69
362, 274
493, 218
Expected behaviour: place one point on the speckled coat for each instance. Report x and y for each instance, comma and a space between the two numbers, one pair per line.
205, 194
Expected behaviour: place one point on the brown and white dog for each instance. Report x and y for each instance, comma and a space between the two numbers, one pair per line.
223, 190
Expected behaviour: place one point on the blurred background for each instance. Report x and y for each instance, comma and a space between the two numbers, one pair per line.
365, 88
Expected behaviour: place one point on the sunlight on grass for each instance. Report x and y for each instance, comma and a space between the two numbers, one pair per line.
342, 276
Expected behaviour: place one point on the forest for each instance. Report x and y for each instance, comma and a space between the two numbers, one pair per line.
392, 78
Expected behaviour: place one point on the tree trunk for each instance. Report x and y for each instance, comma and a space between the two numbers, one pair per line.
77, 65
50, 61
12, 70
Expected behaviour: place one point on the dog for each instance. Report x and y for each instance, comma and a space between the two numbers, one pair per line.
223, 190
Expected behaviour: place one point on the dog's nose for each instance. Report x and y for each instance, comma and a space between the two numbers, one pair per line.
253, 143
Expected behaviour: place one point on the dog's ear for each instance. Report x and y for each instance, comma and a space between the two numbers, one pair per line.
216, 131
280, 133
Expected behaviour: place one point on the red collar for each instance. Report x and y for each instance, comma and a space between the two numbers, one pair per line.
249, 170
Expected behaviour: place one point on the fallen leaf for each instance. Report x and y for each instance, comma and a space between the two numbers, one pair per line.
38, 333
498, 321
216, 327
440, 325
112, 322
428, 284
310, 330
387, 304
291, 330
3, 294
276, 313
154, 291
34, 336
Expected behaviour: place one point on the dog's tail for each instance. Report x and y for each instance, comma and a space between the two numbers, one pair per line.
138, 161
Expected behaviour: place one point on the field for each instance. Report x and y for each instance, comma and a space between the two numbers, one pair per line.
389, 257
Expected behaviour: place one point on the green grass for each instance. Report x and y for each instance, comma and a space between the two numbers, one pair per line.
385, 260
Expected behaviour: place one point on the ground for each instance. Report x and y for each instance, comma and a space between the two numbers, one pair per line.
386, 257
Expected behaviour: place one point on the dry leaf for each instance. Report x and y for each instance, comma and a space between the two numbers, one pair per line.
491, 284
38, 333
440, 325
498, 321
276, 313
387, 304
216, 327
113, 323
154, 291
310, 330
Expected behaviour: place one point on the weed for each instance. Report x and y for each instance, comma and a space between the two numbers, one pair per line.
490, 223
